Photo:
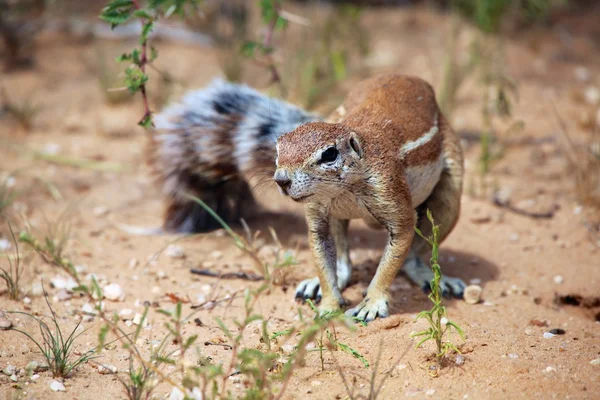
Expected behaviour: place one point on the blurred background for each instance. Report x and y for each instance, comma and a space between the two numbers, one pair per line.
517, 78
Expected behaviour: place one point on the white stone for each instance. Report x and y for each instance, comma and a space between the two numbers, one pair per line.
57, 386
592, 95
582, 74
126, 313
133, 263
460, 359
548, 335
51, 148
216, 254
558, 279
37, 289
114, 292
550, 368
430, 392
100, 211
107, 369
4, 245
35, 377
175, 251
26, 300
137, 319
62, 283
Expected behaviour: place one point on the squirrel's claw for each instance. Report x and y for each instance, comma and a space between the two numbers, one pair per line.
370, 309
309, 289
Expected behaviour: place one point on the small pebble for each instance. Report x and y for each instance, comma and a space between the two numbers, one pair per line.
557, 331
62, 283
315, 383
133, 263
475, 281
9, 370
100, 211
430, 392
4, 245
558, 279
528, 332
156, 290
107, 369
216, 254
26, 300
548, 335
550, 368
37, 289
174, 251
514, 237
35, 377
460, 359
126, 313
595, 361
401, 367
137, 319
57, 386
14, 378
582, 74
513, 356
5, 323
114, 292
63, 295
472, 294
592, 95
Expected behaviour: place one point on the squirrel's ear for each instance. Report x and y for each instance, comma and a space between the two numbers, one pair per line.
354, 144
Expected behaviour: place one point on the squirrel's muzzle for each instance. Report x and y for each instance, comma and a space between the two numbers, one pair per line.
282, 179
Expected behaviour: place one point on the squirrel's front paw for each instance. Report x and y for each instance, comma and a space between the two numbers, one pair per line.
370, 308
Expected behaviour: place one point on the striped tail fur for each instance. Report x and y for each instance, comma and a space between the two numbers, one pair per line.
209, 144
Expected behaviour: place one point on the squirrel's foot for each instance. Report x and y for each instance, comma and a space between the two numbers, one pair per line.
373, 306
311, 289
422, 275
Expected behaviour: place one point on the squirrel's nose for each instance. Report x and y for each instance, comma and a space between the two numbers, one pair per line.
282, 179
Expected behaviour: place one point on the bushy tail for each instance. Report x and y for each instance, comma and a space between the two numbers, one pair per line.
208, 144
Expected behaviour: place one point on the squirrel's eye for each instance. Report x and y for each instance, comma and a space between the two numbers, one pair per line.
329, 155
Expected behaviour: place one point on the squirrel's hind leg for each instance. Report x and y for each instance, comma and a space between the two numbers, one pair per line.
444, 204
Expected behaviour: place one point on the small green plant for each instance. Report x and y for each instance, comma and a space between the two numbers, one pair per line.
56, 347
333, 342
262, 51
437, 317
271, 272
118, 12
12, 275
7, 196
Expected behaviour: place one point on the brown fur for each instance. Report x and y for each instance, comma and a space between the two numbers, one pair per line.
380, 116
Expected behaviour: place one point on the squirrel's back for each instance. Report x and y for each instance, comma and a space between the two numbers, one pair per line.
207, 143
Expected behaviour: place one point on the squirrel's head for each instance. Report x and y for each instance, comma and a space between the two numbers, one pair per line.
317, 160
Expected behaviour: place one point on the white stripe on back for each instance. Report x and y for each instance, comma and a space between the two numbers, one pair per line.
426, 138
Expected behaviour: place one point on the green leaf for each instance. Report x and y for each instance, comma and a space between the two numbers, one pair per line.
146, 122
143, 14
146, 29
249, 48
117, 12
134, 79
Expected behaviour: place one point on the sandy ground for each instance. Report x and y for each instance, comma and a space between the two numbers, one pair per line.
516, 258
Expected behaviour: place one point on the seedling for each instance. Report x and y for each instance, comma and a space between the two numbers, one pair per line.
437, 317
55, 347
12, 275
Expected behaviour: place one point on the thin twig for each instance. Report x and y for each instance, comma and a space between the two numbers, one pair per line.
535, 215
227, 275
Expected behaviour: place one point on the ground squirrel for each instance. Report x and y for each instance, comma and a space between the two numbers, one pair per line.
385, 156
